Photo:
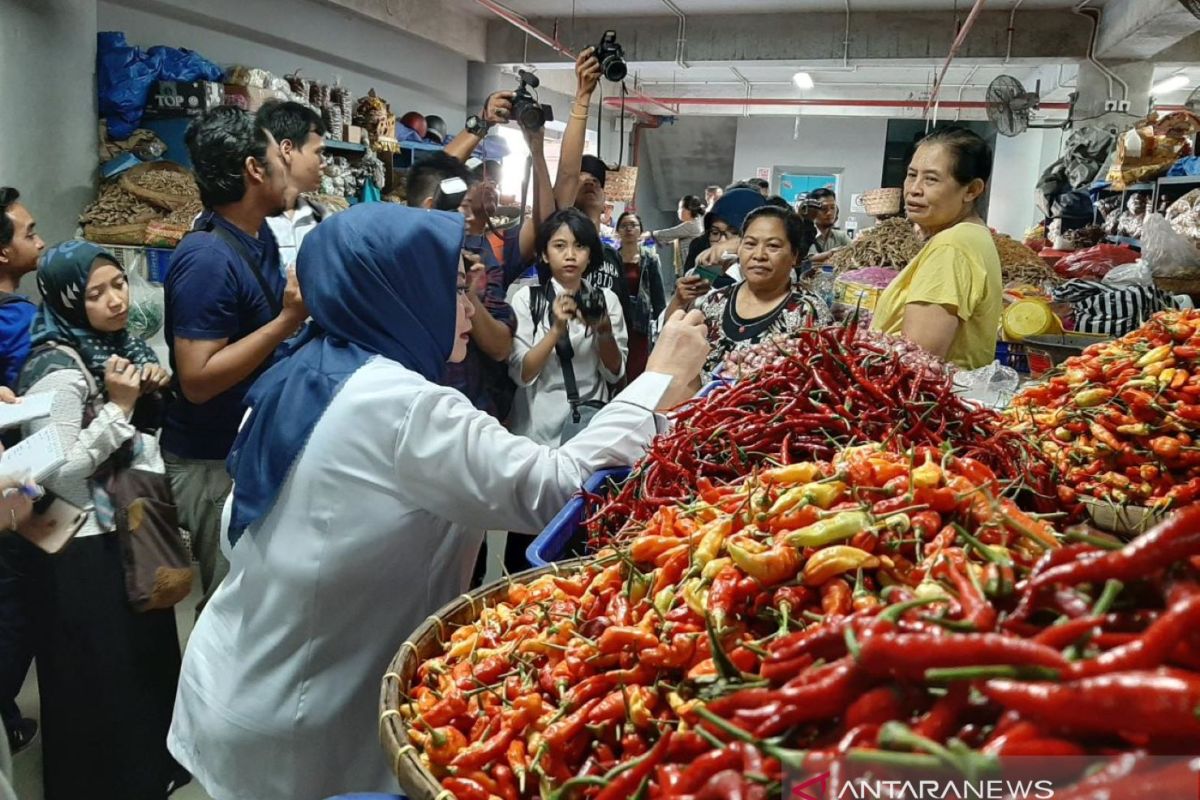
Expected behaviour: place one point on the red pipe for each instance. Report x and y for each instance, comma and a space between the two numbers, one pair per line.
519, 22
844, 102
958, 41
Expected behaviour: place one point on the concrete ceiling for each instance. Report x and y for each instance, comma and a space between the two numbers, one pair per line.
860, 51
564, 9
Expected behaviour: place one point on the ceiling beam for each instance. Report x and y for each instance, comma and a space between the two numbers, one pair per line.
436, 21
811, 37
1137, 30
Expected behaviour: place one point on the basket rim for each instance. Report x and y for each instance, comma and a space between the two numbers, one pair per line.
413, 777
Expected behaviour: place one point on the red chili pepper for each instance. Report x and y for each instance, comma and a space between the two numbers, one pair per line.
625, 785
1174, 540
1151, 648
906, 656
619, 637
1150, 703
465, 789
943, 719
879, 705
700, 771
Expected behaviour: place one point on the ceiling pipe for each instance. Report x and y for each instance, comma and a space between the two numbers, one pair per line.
1082, 11
846, 40
681, 40
958, 42
1012, 16
746, 83
971, 74
522, 24
830, 102
863, 84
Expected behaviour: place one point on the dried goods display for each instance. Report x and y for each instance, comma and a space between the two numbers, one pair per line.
891, 243
879, 607
824, 389
1121, 420
114, 206
1020, 265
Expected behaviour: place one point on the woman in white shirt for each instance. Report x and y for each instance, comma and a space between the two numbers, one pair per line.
691, 225
355, 475
551, 327
106, 673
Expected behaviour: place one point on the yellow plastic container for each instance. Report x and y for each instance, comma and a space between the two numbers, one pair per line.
1031, 317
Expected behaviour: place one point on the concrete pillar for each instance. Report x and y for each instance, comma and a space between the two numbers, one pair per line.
1094, 91
48, 128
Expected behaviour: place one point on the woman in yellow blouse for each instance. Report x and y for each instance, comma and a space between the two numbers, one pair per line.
949, 298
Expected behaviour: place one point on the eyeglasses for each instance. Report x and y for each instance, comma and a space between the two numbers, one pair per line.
629, 226
718, 235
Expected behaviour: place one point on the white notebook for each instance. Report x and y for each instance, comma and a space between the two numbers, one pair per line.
36, 457
30, 408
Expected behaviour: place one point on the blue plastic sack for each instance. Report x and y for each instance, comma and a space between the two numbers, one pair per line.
124, 75
1189, 165
181, 64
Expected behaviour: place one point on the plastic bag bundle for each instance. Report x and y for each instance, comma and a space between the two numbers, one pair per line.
1169, 254
1094, 262
1184, 215
147, 307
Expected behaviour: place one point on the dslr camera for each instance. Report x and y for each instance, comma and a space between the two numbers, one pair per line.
527, 111
611, 56
590, 302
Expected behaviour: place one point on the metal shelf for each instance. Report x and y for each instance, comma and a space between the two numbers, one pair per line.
344, 147
1179, 180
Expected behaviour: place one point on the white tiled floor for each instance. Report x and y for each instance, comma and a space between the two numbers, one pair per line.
28, 764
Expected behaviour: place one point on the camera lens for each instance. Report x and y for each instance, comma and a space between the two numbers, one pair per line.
529, 116
614, 68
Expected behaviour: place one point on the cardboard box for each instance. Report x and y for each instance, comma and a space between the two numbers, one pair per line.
354, 134
249, 97
169, 99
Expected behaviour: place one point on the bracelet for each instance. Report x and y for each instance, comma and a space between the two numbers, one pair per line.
578, 116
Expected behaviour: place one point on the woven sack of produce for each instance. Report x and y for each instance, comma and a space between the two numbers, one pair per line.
161, 183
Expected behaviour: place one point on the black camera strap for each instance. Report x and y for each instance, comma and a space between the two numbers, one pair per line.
256, 265
541, 302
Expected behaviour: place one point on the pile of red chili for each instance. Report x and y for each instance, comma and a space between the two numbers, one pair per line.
826, 389
1121, 420
882, 607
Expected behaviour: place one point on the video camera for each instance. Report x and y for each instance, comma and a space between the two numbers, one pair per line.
527, 111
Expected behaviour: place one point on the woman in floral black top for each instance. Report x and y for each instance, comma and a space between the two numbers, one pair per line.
765, 302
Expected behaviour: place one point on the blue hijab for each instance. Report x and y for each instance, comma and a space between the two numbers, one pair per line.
378, 279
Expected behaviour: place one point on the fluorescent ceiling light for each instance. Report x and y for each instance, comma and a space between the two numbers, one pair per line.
802, 80
1171, 84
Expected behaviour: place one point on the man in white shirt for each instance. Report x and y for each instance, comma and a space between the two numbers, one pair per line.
301, 136
823, 211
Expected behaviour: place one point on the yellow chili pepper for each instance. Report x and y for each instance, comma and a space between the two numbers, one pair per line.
1166, 376
822, 495
639, 712
802, 472
1063, 435
833, 561
1154, 356
1136, 429
712, 540
834, 529
463, 647
1181, 377
1092, 397
770, 565
713, 567
927, 476
695, 595
664, 600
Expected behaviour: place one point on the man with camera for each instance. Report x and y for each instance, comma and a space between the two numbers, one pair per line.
823, 211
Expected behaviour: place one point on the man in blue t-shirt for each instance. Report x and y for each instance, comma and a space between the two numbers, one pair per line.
228, 307
20, 247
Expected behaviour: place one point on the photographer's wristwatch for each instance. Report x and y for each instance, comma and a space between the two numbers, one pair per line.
476, 126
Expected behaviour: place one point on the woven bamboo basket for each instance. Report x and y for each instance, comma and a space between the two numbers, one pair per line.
1188, 286
171, 202
882, 202
424, 643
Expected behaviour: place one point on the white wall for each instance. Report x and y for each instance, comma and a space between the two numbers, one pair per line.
851, 146
1018, 162
324, 43
48, 123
